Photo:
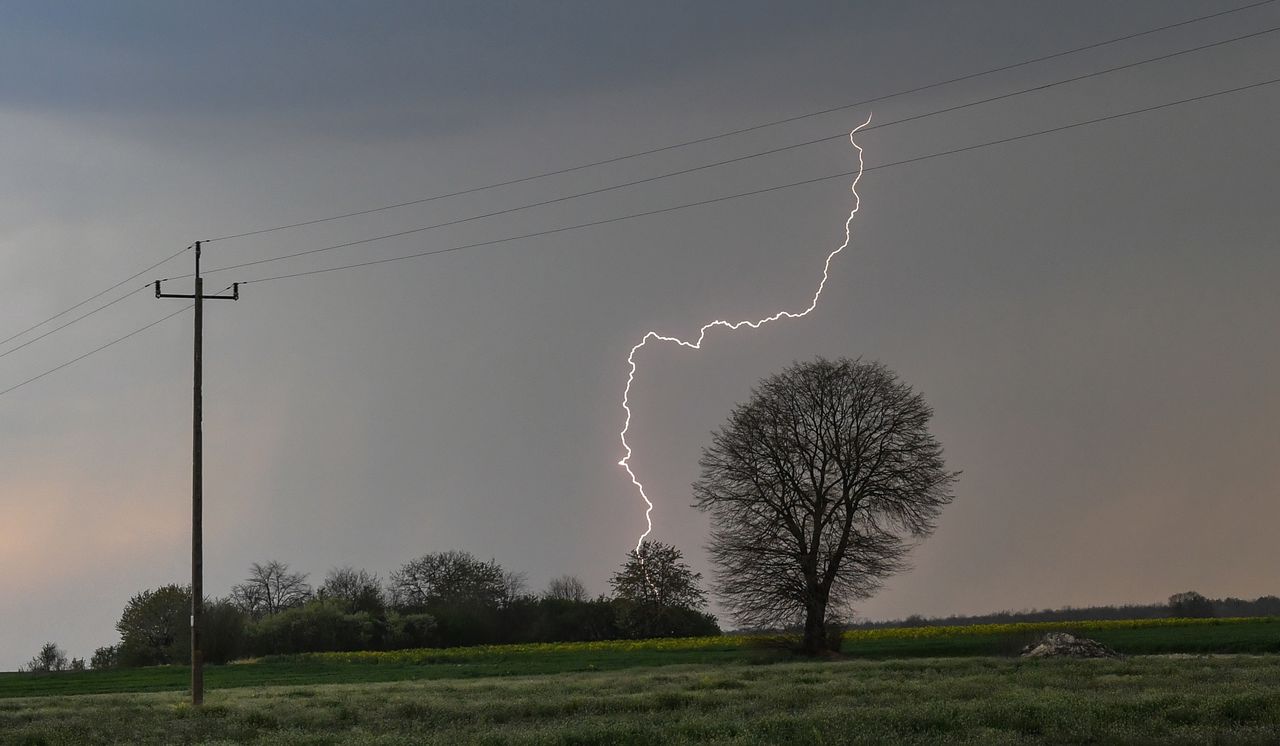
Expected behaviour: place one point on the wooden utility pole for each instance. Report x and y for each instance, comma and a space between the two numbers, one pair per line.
197, 477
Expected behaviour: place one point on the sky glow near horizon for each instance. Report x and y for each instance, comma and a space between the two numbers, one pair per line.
1091, 314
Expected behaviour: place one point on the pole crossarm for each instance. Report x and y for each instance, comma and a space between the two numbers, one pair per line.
235, 293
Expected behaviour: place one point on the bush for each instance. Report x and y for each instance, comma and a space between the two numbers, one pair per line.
105, 657
155, 627
563, 620
313, 627
640, 621
465, 624
410, 631
50, 659
224, 631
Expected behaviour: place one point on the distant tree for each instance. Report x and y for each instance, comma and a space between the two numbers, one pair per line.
316, 626
566, 588
816, 488
155, 627
560, 620
50, 659
656, 594
1190, 604
105, 658
77, 664
514, 587
223, 631
657, 574
411, 631
354, 590
451, 578
270, 589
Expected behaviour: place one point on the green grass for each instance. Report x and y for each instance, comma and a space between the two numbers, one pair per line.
1133, 638
1254, 636
1221, 699
287, 671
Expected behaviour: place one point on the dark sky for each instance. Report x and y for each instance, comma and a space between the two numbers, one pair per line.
1091, 313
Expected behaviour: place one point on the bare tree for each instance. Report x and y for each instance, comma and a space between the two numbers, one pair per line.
566, 588
270, 589
816, 488
515, 586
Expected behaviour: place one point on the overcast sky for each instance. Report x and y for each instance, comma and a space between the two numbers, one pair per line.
1091, 313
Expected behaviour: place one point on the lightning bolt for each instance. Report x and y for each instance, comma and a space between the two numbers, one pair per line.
625, 463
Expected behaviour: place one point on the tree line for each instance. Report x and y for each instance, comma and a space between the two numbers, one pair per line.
441, 599
817, 488
1188, 604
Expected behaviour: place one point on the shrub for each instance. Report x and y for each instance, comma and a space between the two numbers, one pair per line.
155, 627
50, 659
224, 631
315, 626
648, 620
410, 631
557, 620
105, 657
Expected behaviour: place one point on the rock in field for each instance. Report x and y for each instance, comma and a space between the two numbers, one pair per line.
1063, 645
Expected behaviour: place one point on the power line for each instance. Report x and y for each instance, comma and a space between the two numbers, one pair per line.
90, 299
95, 350
917, 159
749, 156
57, 329
751, 128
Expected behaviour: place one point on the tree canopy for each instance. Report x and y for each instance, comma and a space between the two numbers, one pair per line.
816, 488
450, 577
270, 589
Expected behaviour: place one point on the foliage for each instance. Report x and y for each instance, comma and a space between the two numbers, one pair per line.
643, 620
655, 575
50, 659
317, 625
452, 578
223, 632
105, 658
560, 619
354, 590
657, 595
411, 631
155, 627
270, 589
817, 488
1263, 606
1190, 604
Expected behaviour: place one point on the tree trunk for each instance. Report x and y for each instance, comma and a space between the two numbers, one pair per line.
815, 627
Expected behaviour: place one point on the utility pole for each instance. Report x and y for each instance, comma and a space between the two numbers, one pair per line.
197, 478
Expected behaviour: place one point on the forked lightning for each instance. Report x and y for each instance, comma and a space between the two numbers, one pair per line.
625, 463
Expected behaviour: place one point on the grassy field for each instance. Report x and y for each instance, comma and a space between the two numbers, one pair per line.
906, 685
1134, 638
1219, 699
